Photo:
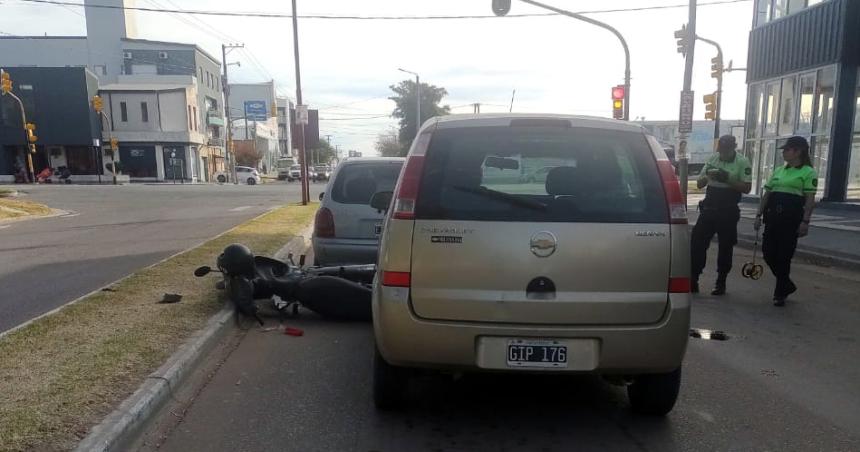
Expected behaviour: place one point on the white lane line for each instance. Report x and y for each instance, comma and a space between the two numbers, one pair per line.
70, 215
4, 226
239, 209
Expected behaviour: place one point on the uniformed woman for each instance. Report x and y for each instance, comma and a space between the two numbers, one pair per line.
786, 207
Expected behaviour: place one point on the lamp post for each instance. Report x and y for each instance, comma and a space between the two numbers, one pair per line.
417, 100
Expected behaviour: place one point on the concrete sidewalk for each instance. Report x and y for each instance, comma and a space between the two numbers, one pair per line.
833, 240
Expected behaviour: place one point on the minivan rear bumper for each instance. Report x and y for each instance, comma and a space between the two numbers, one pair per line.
345, 251
406, 340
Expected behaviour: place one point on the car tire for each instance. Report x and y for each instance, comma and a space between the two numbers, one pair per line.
221, 179
654, 394
390, 384
251, 181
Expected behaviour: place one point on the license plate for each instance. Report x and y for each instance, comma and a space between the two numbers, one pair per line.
377, 229
536, 353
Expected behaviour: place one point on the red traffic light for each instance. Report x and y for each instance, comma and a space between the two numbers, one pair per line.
618, 92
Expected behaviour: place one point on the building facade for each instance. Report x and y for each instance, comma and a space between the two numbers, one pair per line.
159, 130
802, 72
57, 101
284, 127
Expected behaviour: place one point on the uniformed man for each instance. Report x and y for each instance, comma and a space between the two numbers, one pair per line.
727, 175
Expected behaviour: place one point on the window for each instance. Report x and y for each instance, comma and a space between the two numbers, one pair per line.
807, 99
540, 174
162, 55
754, 123
123, 112
200, 71
127, 55
100, 69
780, 9
144, 112
190, 121
195, 117
820, 156
357, 183
771, 105
825, 88
787, 111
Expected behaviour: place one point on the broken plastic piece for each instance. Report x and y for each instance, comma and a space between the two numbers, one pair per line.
171, 298
293, 332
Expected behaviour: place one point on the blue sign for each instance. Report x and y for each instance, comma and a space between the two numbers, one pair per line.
255, 110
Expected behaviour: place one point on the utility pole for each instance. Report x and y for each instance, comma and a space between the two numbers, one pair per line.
98, 106
301, 129
225, 86
513, 94
717, 73
689, 55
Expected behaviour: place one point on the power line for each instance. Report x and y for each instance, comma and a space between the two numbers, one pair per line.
350, 17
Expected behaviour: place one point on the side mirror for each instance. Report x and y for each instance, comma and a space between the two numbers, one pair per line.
381, 200
202, 271
322, 195
501, 7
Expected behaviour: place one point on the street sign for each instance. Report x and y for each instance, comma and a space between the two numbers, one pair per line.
302, 115
685, 122
255, 110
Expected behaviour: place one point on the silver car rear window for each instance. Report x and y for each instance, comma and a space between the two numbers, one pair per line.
357, 183
540, 174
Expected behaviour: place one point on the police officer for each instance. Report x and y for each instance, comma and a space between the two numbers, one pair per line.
727, 175
786, 205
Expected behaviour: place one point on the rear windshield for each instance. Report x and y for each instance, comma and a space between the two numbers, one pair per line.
357, 183
540, 174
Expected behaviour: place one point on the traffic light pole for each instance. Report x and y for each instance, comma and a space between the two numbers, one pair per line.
616, 33
27, 144
303, 158
114, 152
683, 160
719, 74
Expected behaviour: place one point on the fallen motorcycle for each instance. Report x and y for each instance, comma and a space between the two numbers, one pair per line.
341, 293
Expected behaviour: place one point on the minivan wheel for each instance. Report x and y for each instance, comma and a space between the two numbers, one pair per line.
222, 179
654, 394
251, 181
389, 384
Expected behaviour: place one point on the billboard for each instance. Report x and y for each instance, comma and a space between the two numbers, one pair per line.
255, 110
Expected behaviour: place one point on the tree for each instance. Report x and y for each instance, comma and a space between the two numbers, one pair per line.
388, 146
404, 97
247, 156
323, 153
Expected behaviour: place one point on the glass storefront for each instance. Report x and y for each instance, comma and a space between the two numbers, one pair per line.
854, 166
768, 10
797, 104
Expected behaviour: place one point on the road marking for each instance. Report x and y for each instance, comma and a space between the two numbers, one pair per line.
70, 215
239, 209
4, 226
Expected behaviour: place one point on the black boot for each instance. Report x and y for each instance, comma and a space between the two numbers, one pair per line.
720, 285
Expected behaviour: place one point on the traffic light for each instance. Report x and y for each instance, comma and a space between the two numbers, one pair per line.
717, 67
98, 104
683, 39
710, 106
618, 102
31, 135
5, 82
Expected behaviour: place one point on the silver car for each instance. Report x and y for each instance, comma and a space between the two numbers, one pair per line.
583, 271
346, 228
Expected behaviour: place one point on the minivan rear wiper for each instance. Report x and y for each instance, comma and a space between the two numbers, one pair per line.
495, 194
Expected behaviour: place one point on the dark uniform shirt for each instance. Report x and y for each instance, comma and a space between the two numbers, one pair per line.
721, 194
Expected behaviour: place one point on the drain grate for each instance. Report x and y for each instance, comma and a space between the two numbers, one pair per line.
710, 335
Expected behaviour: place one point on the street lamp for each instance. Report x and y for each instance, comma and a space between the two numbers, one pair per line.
417, 100
502, 7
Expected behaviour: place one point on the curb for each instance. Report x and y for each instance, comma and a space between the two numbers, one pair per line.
120, 428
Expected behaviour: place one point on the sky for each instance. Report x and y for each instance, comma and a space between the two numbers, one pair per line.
555, 64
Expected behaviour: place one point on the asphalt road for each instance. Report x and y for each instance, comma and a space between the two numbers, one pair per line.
112, 231
786, 379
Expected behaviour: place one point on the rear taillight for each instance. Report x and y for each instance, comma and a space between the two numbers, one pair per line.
679, 285
406, 192
677, 207
324, 223
396, 279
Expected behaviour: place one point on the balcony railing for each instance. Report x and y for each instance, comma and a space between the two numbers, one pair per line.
217, 142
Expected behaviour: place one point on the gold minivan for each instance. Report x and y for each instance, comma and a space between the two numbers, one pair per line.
482, 268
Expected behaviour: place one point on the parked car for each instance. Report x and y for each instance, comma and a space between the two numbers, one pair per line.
322, 173
346, 228
587, 273
244, 174
295, 173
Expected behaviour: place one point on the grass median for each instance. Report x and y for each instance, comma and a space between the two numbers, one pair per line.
16, 208
63, 373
